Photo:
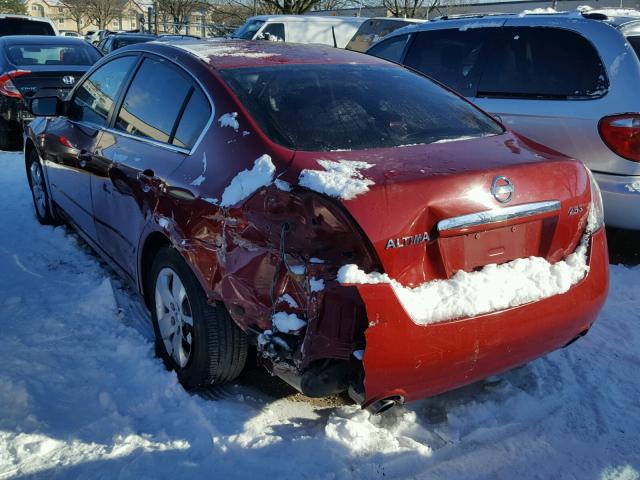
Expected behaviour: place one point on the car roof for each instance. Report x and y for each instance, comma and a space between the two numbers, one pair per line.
41, 40
232, 53
615, 17
303, 18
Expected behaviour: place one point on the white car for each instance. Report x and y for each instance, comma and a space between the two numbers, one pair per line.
70, 33
25, 25
333, 31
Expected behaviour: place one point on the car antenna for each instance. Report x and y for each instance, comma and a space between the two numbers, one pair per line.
333, 32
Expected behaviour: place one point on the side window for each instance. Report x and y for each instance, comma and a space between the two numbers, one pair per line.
149, 109
94, 98
542, 63
193, 120
390, 49
273, 30
452, 57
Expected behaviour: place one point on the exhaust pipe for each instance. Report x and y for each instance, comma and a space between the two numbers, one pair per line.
380, 406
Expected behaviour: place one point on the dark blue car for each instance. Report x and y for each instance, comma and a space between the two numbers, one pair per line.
32, 65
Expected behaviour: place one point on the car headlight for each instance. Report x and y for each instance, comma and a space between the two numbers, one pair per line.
596, 211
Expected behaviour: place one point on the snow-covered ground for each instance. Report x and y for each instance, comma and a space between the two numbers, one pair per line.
82, 395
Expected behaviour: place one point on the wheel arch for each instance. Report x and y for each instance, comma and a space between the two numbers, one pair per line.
150, 248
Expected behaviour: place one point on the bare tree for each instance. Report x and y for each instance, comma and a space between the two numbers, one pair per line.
289, 6
331, 4
404, 8
101, 12
178, 11
78, 11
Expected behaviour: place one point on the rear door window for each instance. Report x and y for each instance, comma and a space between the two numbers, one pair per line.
390, 49
147, 110
453, 57
94, 99
21, 26
542, 63
193, 120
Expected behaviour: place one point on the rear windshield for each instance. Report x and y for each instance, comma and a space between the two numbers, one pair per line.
635, 43
353, 107
248, 30
52, 55
20, 26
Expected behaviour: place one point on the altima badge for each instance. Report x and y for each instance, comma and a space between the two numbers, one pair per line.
407, 241
502, 189
68, 80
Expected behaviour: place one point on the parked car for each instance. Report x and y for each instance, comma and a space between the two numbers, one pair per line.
96, 37
70, 33
36, 64
118, 40
567, 80
373, 29
88, 35
348, 230
24, 25
334, 31
167, 37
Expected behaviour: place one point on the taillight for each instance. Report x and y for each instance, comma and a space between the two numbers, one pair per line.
621, 133
7, 88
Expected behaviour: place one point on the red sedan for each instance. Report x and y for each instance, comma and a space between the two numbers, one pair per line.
360, 225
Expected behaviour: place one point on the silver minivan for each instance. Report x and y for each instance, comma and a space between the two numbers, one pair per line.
570, 81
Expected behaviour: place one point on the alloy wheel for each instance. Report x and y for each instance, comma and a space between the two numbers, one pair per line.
174, 314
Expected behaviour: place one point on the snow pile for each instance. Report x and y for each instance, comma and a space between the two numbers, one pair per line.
287, 322
341, 179
229, 120
288, 299
201, 178
248, 181
474, 25
538, 11
316, 284
493, 288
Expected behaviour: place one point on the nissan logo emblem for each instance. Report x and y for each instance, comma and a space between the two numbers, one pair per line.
502, 189
68, 80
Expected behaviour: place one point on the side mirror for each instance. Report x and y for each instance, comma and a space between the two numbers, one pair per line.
46, 106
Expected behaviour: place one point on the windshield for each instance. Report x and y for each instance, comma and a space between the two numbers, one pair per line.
124, 41
353, 107
52, 55
248, 30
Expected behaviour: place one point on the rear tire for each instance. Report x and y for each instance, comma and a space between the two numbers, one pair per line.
39, 191
197, 340
10, 138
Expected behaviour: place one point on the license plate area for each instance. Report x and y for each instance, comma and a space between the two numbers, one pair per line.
472, 251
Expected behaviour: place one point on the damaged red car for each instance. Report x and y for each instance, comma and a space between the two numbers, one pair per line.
363, 227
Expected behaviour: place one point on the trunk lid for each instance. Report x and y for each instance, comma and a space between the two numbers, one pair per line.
410, 213
47, 79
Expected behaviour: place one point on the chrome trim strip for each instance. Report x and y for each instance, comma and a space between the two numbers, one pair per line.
498, 215
151, 141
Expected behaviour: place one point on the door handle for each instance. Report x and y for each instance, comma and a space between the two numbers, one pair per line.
148, 180
84, 157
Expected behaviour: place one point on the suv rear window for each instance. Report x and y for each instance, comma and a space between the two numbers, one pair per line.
511, 62
22, 26
353, 107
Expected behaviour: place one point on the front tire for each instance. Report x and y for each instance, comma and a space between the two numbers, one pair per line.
197, 340
39, 191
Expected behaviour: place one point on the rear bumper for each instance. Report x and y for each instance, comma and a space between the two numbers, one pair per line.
413, 361
621, 198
